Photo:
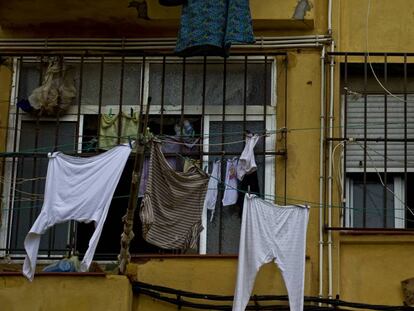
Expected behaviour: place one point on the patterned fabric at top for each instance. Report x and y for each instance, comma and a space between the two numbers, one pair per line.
209, 27
108, 132
172, 205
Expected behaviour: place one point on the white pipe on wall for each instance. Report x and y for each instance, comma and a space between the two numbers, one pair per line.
330, 164
331, 122
321, 171
148, 44
330, 17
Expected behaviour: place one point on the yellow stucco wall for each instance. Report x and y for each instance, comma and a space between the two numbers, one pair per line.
203, 275
65, 293
390, 26
372, 268
5, 86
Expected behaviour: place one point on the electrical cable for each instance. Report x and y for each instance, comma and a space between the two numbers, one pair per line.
369, 59
158, 292
382, 182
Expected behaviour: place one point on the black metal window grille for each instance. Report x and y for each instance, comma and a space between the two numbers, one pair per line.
377, 134
221, 98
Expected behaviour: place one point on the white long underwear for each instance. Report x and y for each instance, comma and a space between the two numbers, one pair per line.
211, 196
76, 189
247, 163
271, 233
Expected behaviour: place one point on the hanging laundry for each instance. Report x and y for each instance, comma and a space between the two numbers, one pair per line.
170, 145
109, 127
209, 27
190, 164
268, 233
230, 193
172, 205
144, 178
247, 162
57, 91
211, 196
78, 189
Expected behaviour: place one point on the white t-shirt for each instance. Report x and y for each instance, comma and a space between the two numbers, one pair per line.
78, 189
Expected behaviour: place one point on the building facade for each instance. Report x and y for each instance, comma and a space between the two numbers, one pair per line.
328, 84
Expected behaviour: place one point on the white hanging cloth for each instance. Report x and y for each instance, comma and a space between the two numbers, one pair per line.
78, 189
247, 162
211, 196
231, 193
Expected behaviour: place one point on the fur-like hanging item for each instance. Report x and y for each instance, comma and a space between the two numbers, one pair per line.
57, 91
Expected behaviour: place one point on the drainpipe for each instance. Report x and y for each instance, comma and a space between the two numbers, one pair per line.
330, 177
330, 17
321, 169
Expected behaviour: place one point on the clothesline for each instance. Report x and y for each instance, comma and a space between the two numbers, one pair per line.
359, 125
49, 148
268, 197
313, 205
92, 148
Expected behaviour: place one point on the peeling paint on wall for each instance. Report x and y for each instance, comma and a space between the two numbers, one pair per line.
302, 7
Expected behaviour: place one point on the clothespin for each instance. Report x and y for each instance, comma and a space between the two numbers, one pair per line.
248, 190
110, 112
130, 142
132, 112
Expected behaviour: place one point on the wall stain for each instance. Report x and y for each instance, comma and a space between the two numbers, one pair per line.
302, 7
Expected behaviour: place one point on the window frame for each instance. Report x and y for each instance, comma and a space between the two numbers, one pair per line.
356, 83
399, 210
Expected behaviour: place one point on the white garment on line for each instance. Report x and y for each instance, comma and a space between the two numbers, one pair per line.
247, 162
272, 233
211, 196
76, 189
230, 193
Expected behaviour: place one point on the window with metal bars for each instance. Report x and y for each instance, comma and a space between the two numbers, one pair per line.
378, 138
220, 98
